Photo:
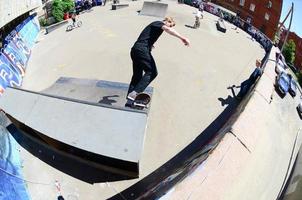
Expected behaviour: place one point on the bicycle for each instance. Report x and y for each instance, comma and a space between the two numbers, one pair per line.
70, 27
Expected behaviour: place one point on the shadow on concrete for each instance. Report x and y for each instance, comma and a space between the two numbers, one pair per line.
189, 26
180, 166
107, 100
232, 88
65, 162
227, 101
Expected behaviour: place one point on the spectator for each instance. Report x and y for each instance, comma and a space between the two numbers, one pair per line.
247, 84
236, 21
201, 7
198, 15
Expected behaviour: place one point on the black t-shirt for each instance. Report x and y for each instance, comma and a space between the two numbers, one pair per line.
149, 35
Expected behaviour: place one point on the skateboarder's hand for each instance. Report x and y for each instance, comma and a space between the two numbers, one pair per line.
185, 41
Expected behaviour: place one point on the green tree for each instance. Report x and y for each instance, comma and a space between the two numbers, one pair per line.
58, 10
68, 5
289, 51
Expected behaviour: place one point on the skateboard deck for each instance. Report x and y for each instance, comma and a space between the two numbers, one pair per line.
142, 101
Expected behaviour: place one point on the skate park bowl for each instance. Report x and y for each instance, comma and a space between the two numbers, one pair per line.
155, 9
196, 141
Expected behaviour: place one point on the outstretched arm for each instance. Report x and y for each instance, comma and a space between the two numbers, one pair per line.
173, 32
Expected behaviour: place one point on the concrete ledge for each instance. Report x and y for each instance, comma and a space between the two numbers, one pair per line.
220, 26
265, 87
155, 9
52, 27
86, 131
117, 6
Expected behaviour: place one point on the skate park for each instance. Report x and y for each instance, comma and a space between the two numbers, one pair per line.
191, 99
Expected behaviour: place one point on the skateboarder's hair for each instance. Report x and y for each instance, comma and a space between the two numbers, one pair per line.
258, 62
170, 20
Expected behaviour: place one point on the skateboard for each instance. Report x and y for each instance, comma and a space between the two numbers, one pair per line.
142, 101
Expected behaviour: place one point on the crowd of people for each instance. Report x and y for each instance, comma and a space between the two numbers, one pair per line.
236, 20
82, 5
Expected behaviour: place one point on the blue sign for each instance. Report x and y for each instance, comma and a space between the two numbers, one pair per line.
9, 76
21, 46
16, 52
14, 58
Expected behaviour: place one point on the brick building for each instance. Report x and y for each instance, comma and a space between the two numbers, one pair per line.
298, 42
264, 14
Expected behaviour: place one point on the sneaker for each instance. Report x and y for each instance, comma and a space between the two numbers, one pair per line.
140, 103
129, 103
132, 95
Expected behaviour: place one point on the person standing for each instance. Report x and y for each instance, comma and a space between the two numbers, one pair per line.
198, 16
143, 64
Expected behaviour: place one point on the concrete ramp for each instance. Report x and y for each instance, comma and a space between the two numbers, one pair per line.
155, 9
106, 93
106, 136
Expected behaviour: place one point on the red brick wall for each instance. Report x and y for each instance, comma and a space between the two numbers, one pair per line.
268, 27
298, 55
298, 42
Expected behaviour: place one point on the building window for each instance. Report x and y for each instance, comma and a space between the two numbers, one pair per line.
266, 16
269, 4
242, 2
252, 7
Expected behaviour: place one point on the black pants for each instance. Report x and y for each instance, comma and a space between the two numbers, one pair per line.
144, 69
245, 87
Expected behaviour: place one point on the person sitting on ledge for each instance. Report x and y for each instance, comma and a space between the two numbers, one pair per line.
247, 84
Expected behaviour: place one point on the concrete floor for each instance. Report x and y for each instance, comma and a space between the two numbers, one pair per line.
186, 93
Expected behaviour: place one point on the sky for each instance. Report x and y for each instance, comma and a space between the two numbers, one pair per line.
297, 18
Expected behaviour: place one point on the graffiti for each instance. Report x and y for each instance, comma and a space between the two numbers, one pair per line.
16, 52
9, 74
21, 46
14, 58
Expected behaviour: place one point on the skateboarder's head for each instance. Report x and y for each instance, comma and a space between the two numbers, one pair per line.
169, 21
258, 63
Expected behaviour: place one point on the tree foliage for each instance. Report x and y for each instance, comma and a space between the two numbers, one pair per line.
57, 10
68, 5
59, 7
289, 51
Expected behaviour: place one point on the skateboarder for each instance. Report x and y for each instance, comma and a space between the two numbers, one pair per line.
144, 67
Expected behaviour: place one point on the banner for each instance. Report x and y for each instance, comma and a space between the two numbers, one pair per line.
16, 52
21, 46
9, 75
14, 58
